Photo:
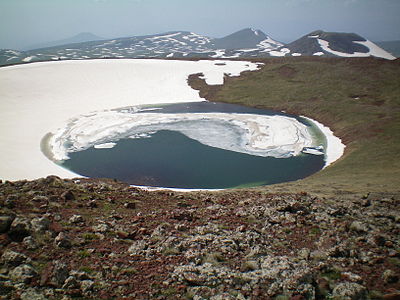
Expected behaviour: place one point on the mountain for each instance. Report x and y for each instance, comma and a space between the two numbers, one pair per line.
245, 39
335, 44
79, 38
245, 43
392, 47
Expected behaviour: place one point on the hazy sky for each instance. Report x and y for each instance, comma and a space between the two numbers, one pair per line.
27, 22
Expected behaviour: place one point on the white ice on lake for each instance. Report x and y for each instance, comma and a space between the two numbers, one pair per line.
262, 135
38, 98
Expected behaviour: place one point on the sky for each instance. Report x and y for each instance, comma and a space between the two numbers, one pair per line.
29, 22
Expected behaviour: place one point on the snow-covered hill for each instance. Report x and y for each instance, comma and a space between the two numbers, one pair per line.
340, 44
245, 43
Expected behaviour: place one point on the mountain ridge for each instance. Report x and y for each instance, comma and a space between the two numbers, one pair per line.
245, 43
78, 38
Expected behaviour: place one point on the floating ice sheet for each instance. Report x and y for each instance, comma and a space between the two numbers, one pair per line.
262, 135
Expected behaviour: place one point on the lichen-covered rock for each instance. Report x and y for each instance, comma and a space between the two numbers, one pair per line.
76, 219
390, 276
87, 285
60, 273
12, 258
23, 274
30, 243
359, 227
20, 228
5, 223
32, 294
40, 224
349, 291
62, 241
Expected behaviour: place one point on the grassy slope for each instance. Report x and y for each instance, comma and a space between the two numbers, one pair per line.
359, 99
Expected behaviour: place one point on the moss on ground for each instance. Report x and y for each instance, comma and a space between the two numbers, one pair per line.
358, 98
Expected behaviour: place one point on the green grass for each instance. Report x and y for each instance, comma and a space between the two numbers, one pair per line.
358, 98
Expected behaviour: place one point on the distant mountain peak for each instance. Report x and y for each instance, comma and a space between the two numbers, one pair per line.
79, 38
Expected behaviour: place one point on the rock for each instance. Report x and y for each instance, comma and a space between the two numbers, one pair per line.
304, 253
23, 274
391, 296
30, 243
390, 276
76, 219
40, 198
349, 291
62, 241
358, 227
5, 223
130, 205
12, 258
71, 283
40, 224
318, 255
68, 196
6, 287
101, 228
10, 201
32, 294
20, 228
137, 247
87, 285
53, 181
60, 273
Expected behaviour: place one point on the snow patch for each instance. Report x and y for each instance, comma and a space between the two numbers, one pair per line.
374, 50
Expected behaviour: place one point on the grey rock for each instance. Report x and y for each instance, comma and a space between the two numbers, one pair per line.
359, 227
71, 283
137, 247
87, 285
40, 224
6, 287
40, 198
62, 241
350, 291
32, 294
10, 201
12, 258
5, 223
76, 219
101, 228
23, 274
68, 195
60, 273
20, 228
390, 276
30, 243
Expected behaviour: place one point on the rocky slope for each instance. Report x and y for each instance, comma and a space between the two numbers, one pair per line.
100, 239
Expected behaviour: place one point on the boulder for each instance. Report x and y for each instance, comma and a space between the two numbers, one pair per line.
12, 258
23, 274
349, 291
20, 228
5, 223
32, 294
62, 241
40, 224
359, 227
76, 219
60, 273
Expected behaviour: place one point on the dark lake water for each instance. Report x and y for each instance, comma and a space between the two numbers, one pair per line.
171, 159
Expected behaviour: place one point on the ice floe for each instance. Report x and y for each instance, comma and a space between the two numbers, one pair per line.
276, 136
